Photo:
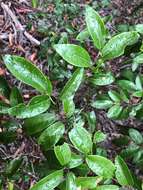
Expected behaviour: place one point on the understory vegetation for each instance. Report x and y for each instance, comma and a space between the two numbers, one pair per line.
71, 100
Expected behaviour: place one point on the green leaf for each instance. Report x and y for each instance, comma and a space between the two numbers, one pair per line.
136, 136
91, 119
70, 182
15, 97
101, 166
38, 123
50, 182
28, 73
51, 135
4, 87
88, 182
99, 137
114, 112
83, 35
4, 108
81, 139
13, 166
36, 106
73, 84
69, 106
123, 174
127, 85
107, 187
34, 3
138, 83
76, 160
139, 28
114, 96
95, 27
73, 54
63, 153
102, 104
116, 45
102, 79
138, 60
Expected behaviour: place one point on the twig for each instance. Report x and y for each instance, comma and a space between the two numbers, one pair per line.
19, 25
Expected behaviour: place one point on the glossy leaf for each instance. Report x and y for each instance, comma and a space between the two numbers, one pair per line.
95, 27
127, 85
102, 104
139, 28
99, 137
73, 84
74, 54
91, 119
37, 105
88, 182
81, 139
63, 153
49, 182
15, 97
51, 135
114, 111
38, 123
116, 45
28, 73
70, 182
83, 35
136, 136
101, 166
114, 96
123, 174
107, 187
69, 106
138, 83
102, 79
76, 160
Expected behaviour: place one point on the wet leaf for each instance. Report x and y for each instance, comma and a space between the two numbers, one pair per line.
123, 174
49, 182
51, 135
95, 27
69, 106
116, 45
102, 104
101, 166
25, 71
63, 153
73, 54
76, 160
36, 106
99, 137
81, 139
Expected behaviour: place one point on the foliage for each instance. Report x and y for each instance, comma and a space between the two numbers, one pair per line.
69, 137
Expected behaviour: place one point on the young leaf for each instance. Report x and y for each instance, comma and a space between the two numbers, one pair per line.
123, 174
99, 137
83, 35
70, 182
73, 54
51, 135
107, 187
95, 27
101, 166
15, 97
76, 160
91, 119
115, 46
136, 136
49, 182
88, 182
114, 111
38, 123
73, 84
102, 79
69, 106
102, 104
25, 71
36, 106
63, 153
81, 139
